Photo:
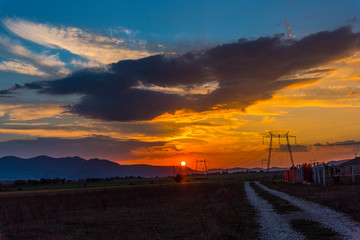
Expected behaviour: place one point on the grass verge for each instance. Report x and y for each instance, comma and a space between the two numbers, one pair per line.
313, 230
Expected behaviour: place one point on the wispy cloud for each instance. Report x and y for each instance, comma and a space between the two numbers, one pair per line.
182, 90
27, 62
21, 68
86, 64
25, 112
85, 44
288, 29
352, 20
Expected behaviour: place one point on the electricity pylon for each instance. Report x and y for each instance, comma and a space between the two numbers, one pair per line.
271, 136
204, 165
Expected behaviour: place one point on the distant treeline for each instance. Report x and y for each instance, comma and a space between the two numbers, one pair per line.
49, 181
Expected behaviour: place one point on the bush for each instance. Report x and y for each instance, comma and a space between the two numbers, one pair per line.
178, 178
20, 182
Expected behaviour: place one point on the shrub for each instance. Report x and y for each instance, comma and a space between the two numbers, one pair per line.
178, 178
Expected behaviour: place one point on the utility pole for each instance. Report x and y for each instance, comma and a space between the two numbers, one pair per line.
271, 136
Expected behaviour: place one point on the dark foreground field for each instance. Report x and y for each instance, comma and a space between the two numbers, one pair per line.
208, 210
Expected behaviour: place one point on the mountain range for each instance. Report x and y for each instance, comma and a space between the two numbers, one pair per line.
12, 168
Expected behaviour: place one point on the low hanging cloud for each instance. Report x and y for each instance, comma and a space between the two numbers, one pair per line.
245, 72
343, 143
91, 46
294, 148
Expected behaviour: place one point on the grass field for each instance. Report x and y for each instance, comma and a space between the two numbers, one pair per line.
207, 207
215, 208
82, 184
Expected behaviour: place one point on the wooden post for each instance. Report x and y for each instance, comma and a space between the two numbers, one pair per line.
314, 173
352, 174
324, 180
302, 173
298, 172
318, 172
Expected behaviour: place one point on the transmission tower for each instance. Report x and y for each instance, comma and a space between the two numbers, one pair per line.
204, 161
277, 135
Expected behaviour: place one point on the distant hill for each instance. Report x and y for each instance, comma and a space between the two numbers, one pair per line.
339, 162
349, 162
12, 168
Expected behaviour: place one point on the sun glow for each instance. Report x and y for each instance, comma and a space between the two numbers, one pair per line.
183, 163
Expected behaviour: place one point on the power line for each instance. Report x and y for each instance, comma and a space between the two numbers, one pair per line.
241, 157
251, 160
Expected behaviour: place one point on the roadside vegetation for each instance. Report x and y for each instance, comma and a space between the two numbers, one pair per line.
313, 230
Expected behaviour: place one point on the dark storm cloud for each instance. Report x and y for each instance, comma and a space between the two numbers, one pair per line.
10, 90
246, 71
89, 147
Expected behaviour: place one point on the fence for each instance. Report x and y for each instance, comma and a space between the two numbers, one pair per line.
323, 174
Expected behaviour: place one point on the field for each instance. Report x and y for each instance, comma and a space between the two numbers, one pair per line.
207, 207
213, 208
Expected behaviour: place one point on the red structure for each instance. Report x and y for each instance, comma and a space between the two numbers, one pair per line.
290, 175
303, 173
307, 172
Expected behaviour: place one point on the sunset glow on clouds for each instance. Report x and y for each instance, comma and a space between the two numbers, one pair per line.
130, 90
90, 46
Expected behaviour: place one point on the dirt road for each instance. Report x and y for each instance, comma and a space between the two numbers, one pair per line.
275, 226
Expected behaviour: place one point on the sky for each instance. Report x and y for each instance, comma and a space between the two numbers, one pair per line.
160, 82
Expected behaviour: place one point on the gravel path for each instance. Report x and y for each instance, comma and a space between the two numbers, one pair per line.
339, 222
272, 225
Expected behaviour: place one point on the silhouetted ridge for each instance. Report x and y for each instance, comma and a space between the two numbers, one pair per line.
12, 168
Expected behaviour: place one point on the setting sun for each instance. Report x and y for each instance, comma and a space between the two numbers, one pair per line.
183, 163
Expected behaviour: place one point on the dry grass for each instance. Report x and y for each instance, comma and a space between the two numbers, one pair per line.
216, 210
313, 230
344, 198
